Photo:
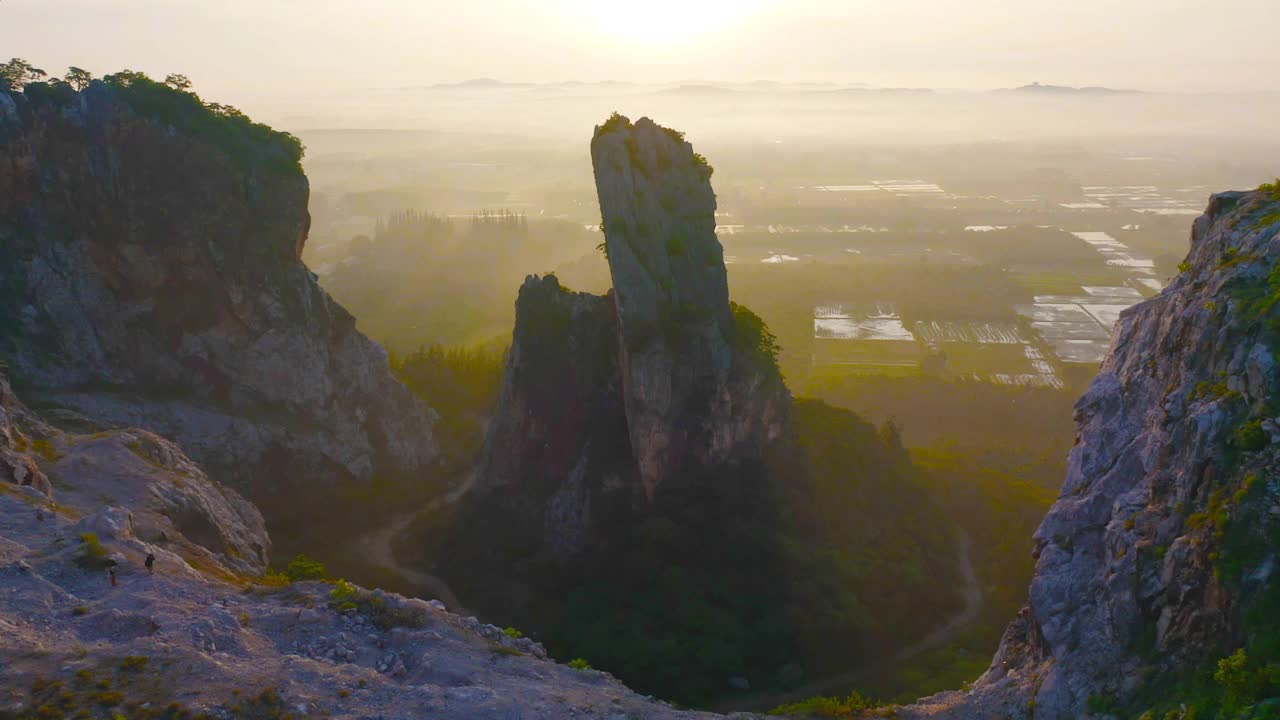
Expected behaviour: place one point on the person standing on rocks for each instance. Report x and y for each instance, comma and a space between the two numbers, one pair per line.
151, 563
111, 571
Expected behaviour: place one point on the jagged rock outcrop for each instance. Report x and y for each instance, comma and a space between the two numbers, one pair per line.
560, 417
209, 638
607, 397
18, 464
686, 393
1160, 555
150, 277
155, 493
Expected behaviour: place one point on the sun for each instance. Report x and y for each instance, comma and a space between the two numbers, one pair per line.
659, 23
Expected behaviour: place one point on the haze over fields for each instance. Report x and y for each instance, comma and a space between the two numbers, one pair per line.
839, 358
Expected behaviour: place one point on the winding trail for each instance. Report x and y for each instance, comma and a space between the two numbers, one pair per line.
974, 603
376, 547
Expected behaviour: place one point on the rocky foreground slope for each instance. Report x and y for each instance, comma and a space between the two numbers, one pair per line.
150, 277
1160, 558
207, 635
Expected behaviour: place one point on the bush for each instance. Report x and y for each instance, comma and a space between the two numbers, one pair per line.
513, 633
1251, 437
92, 553
579, 664
342, 592
828, 707
615, 121
703, 166
304, 568
752, 336
134, 663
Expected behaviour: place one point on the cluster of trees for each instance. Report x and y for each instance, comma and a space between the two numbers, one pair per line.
828, 553
425, 278
19, 73
462, 384
993, 455
171, 102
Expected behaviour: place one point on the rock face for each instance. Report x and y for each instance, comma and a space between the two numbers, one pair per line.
1160, 555
671, 294
607, 397
151, 277
18, 464
208, 637
156, 494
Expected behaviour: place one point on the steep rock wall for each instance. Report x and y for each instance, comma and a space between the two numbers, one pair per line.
689, 394
151, 277
605, 398
1163, 540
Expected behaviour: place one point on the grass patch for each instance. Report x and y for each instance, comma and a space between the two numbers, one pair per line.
381, 611
500, 649
828, 707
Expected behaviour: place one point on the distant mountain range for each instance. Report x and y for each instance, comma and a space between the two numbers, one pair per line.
695, 88
1039, 89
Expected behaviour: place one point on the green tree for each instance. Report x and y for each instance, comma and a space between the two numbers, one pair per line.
178, 82
19, 73
78, 78
304, 568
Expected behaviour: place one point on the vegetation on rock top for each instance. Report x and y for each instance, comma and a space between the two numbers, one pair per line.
171, 102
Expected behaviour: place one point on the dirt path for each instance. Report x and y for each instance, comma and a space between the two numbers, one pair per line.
376, 547
974, 604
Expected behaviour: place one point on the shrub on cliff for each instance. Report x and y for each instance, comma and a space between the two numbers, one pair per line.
304, 568
752, 337
92, 554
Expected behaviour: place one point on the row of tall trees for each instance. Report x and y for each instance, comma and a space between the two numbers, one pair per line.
19, 73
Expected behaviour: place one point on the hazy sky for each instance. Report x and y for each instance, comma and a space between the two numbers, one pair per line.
233, 47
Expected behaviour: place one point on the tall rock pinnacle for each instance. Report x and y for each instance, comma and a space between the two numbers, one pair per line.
605, 398
671, 294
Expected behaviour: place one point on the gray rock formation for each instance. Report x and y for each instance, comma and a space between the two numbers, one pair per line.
606, 397
171, 502
151, 277
209, 639
688, 393
18, 464
1167, 531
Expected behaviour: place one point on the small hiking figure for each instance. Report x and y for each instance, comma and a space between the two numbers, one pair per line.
151, 563
111, 570
39, 514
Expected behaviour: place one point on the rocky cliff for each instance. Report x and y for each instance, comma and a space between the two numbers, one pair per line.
151, 278
206, 635
128, 483
1157, 567
661, 377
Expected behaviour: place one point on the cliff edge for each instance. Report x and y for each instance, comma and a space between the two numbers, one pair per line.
151, 277
1158, 563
